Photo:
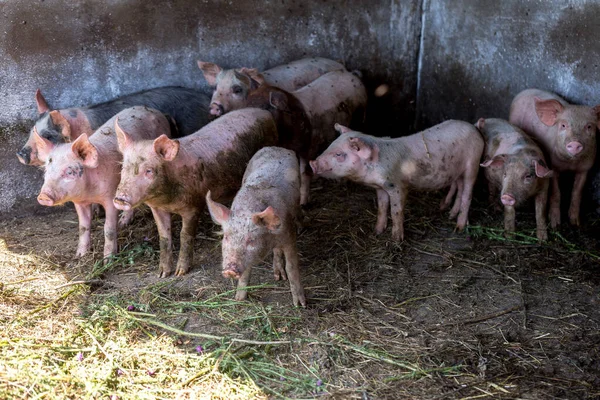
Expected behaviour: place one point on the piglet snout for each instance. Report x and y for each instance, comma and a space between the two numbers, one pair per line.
232, 271
45, 199
314, 166
507, 200
217, 109
574, 148
122, 203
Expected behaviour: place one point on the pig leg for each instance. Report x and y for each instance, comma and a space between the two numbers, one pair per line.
446, 202
540, 213
241, 293
163, 223
110, 229
555, 202
509, 219
125, 218
398, 201
278, 268
493, 196
304, 182
467, 196
383, 204
84, 214
456, 207
187, 237
580, 178
293, 273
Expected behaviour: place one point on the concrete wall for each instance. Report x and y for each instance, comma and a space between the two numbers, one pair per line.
477, 55
85, 52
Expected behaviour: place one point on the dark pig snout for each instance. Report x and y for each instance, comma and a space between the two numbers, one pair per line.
217, 109
232, 270
574, 148
508, 200
24, 155
45, 199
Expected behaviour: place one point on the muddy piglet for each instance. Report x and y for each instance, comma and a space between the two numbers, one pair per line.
173, 176
567, 134
445, 155
87, 171
515, 166
262, 219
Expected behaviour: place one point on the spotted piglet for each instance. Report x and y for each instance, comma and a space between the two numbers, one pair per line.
445, 155
263, 218
515, 165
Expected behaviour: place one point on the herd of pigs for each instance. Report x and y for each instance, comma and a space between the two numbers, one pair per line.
177, 150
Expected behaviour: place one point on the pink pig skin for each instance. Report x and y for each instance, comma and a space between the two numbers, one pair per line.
445, 155
87, 171
263, 218
514, 166
566, 133
173, 176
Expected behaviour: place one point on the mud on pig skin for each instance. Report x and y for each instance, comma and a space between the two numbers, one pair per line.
173, 176
567, 134
87, 171
514, 166
262, 219
444, 155
187, 107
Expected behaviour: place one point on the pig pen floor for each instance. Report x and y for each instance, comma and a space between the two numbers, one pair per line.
443, 315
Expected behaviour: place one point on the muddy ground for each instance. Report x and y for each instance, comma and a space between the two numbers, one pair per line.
484, 317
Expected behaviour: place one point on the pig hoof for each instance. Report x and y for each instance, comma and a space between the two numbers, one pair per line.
181, 271
125, 218
164, 273
574, 221
542, 235
379, 231
241, 296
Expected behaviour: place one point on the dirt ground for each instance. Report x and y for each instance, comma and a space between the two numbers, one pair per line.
485, 317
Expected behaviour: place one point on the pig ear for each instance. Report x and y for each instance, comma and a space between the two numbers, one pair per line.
218, 212
278, 101
42, 106
86, 151
541, 170
63, 124
268, 218
480, 124
166, 148
341, 128
548, 110
210, 72
43, 145
123, 138
364, 150
495, 162
256, 79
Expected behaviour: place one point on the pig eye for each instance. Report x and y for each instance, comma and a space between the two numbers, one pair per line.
340, 156
529, 176
563, 125
589, 127
149, 172
237, 90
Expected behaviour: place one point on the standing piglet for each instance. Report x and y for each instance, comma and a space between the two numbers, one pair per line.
567, 133
262, 218
445, 155
515, 165
87, 171
173, 176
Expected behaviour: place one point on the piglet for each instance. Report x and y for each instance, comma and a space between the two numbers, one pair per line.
445, 155
87, 171
173, 176
567, 134
262, 218
515, 165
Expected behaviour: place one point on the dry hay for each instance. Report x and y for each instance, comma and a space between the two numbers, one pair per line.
442, 315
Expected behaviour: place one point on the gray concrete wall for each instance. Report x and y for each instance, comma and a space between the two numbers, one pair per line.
477, 55
85, 52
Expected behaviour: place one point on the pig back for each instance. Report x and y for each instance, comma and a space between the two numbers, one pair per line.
225, 146
300, 73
